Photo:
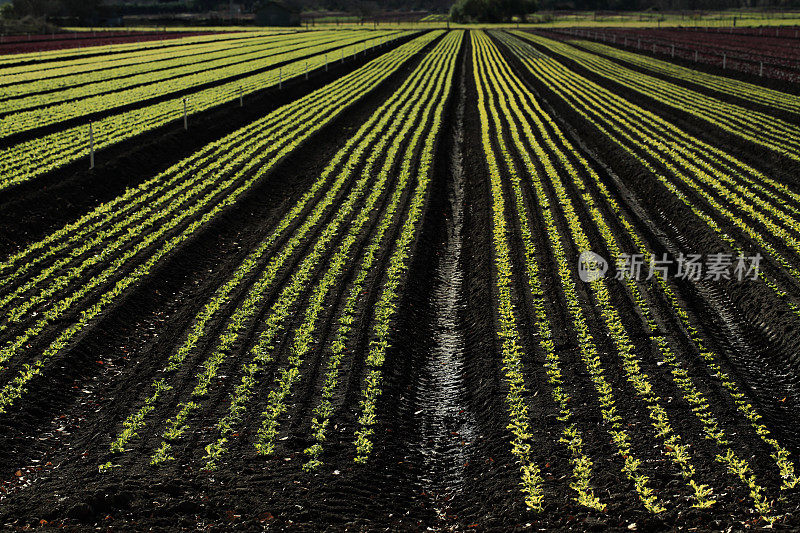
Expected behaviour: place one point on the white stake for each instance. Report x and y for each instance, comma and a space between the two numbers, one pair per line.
695, 56
185, 116
761, 69
326, 62
306, 69
91, 147
673, 49
724, 60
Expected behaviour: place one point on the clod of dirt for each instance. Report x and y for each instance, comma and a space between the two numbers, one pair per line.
187, 507
80, 511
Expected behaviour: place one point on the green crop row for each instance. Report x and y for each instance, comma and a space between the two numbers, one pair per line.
659, 145
700, 405
128, 85
728, 86
509, 328
263, 351
433, 72
33, 61
108, 68
589, 351
118, 95
338, 349
27, 160
268, 272
122, 236
387, 304
753, 126
283, 142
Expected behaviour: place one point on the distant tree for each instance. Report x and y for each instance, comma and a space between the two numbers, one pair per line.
81, 9
36, 8
296, 6
205, 5
6, 11
518, 8
366, 9
491, 10
78, 9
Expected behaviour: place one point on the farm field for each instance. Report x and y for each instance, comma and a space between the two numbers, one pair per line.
763, 52
21, 44
404, 279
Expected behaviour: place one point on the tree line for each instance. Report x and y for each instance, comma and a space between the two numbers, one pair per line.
90, 11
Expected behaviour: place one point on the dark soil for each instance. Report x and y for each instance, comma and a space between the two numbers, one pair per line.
733, 316
442, 456
780, 167
107, 368
771, 83
785, 87
34, 209
36, 133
